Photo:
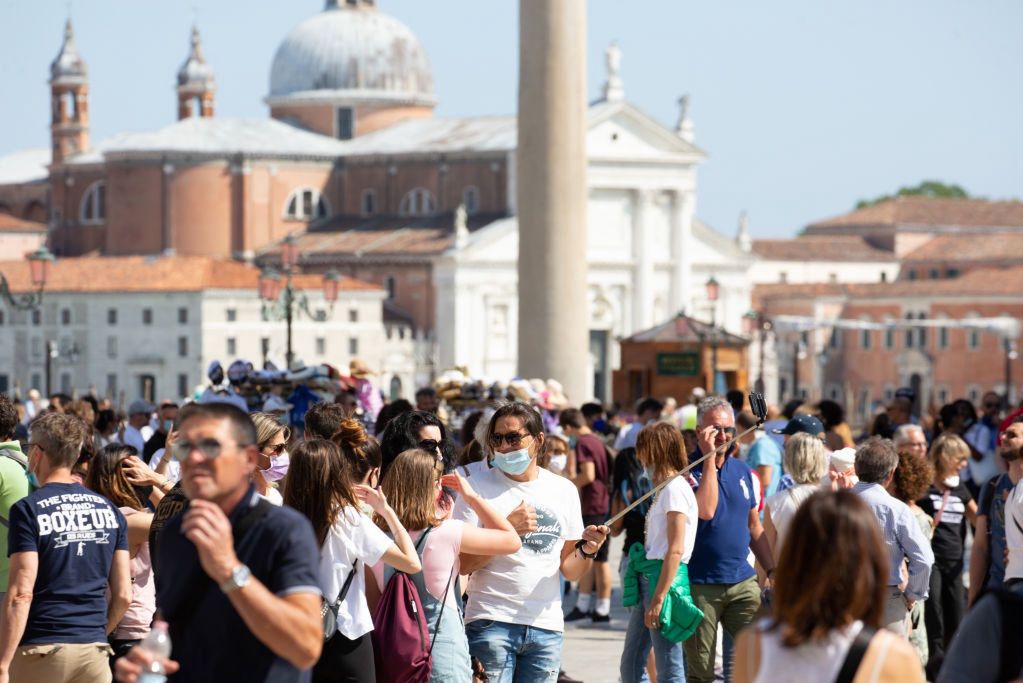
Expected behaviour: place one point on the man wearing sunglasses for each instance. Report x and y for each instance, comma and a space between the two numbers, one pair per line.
239, 582
721, 578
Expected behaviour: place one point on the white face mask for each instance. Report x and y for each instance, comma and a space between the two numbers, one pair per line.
952, 481
558, 463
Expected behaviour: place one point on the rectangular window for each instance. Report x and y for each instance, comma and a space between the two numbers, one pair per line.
911, 274
889, 339
943, 338
111, 347
183, 385
391, 285
321, 346
65, 316
232, 346
952, 273
147, 316
264, 345
353, 346
232, 315
934, 273
345, 123
37, 317
111, 316
865, 339
65, 383
4, 384
183, 347
353, 315
112, 385
973, 340
836, 338
182, 316
37, 347
369, 203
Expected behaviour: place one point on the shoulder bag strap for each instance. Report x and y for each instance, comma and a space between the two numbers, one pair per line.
941, 510
854, 657
348, 584
443, 602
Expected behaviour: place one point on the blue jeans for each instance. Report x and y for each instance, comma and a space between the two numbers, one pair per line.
513, 653
638, 640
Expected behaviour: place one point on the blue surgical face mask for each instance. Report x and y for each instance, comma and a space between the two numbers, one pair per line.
513, 463
33, 480
598, 425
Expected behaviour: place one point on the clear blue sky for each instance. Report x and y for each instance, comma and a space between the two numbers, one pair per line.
804, 106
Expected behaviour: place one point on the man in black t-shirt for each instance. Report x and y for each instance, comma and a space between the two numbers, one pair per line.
68, 546
239, 584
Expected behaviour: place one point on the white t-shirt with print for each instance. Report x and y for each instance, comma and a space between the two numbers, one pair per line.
524, 588
677, 496
353, 536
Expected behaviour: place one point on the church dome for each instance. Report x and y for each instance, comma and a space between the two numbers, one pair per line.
351, 53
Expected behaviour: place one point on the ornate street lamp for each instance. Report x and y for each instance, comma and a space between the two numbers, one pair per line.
280, 298
39, 270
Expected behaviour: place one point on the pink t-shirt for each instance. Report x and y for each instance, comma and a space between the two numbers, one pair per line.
440, 558
136, 621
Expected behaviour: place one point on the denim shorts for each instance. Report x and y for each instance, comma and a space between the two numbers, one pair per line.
514, 653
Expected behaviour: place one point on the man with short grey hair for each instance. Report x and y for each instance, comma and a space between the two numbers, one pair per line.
910, 438
876, 461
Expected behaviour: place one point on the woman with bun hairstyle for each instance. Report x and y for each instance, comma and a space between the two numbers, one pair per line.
320, 486
411, 486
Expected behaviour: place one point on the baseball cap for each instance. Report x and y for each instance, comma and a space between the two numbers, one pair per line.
801, 423
141, 406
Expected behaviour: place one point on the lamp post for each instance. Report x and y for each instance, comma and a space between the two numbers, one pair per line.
280, 297
39, 270
757, 321
713, 289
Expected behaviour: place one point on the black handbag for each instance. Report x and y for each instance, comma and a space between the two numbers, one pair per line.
329, 610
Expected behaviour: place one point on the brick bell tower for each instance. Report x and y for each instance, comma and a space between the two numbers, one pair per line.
195, 83
69, 94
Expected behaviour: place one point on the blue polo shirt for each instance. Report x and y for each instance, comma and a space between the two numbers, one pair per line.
722, 543
209, 639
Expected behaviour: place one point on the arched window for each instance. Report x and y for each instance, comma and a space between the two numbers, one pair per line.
94, 204
418, 202
306, 204
368, 205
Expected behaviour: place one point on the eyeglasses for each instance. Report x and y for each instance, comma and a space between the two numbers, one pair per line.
513, 439
730, 431
275, 450
430, 445
210, 449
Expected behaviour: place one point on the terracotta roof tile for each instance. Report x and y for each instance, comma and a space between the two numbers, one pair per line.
821, 248
153, 274
9, 223
955, 248
979, 282
932, 211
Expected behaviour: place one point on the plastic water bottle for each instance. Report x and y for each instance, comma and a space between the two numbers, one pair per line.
158, 645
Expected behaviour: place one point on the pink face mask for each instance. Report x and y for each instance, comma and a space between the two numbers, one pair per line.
278, 467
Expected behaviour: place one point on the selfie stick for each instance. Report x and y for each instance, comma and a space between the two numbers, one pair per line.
759, 408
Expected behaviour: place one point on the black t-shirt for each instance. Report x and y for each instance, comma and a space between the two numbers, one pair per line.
629, 483
950, 534
75, 532
157, 441
210, 640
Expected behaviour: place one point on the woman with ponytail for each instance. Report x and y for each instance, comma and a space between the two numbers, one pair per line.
321, 486
412, 485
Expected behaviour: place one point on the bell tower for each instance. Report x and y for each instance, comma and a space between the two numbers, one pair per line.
195, 83
69, 95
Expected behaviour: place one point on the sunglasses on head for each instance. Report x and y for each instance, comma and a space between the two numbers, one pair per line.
209, 447
513, 439
430, 445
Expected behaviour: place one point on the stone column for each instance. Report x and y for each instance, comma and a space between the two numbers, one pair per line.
553, 330
643, 268
682, 252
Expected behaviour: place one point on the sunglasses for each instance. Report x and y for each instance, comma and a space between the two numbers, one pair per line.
210, 449
275, 450
513, 439
430, 445
730, 431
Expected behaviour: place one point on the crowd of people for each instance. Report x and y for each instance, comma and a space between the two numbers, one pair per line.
386, 546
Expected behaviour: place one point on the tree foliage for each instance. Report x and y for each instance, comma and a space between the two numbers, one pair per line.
928, 188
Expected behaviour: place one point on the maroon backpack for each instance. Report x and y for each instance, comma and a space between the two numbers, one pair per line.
402, 645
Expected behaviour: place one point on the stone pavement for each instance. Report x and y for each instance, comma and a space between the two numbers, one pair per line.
592, 652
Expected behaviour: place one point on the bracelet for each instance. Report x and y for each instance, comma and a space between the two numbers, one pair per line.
586, 555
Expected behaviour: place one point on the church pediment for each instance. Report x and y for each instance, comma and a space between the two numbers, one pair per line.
619, 131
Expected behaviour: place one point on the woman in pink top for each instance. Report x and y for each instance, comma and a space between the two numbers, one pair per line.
411, 486
107, 477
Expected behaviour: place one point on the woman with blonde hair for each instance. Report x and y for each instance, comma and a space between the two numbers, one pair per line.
412, 485
947, 502
320, 486
656, 579
272, 441
806, 462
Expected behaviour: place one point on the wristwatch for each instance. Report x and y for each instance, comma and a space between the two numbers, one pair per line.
240, 576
